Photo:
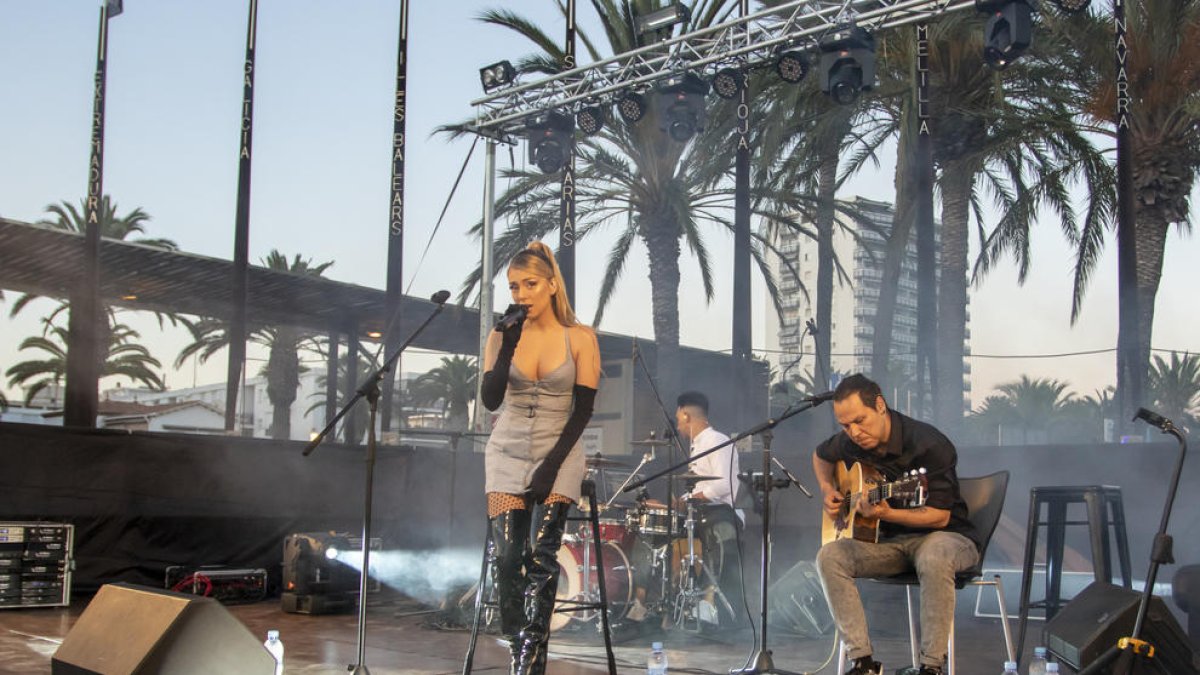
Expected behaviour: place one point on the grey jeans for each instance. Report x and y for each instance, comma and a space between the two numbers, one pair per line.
935, 557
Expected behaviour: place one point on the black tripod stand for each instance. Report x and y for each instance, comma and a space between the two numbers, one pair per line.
370, 391
1132, 654
760, 660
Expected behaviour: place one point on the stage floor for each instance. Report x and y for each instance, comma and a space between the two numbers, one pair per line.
401, 639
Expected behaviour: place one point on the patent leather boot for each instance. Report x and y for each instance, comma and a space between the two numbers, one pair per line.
509, 554
542, 575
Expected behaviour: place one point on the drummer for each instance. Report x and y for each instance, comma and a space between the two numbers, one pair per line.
719, 523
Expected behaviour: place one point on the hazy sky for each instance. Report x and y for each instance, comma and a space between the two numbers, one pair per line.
322, 140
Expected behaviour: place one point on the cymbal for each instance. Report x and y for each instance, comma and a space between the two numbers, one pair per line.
651, 442
689, 476
603, 462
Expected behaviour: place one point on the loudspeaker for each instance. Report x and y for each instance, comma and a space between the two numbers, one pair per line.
1102, 614
797, 602
128, 630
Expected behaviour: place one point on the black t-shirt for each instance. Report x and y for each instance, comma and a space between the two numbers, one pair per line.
912, 444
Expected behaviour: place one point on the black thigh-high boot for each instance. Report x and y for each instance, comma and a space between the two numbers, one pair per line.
510, 551
542, 574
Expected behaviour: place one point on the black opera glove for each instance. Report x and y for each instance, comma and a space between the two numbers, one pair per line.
495, 381
543, 477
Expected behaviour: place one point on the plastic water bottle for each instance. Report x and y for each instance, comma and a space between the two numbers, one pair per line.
1037, 666
1051, 668
275, 647
1010, 668
656, 663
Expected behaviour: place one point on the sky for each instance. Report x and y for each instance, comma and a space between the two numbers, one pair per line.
324, 84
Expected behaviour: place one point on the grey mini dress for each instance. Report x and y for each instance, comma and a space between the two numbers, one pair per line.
531, 420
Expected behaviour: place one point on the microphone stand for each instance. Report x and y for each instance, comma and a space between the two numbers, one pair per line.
370, 391
760, 660
1132, 653
671, 456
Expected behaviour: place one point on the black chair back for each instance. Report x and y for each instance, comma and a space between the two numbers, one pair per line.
984, 496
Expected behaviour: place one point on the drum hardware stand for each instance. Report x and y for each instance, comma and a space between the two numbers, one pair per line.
589, 493
688, 592
760, 660
1132, 654
370, 391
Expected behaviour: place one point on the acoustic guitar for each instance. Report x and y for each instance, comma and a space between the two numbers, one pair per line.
861, 482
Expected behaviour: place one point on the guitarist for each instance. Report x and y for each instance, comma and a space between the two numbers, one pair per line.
935, 540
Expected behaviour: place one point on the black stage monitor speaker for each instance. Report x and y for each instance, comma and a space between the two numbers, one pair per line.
1102, 614
797, 602
135, 630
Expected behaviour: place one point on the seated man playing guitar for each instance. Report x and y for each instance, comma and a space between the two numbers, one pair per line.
934, 539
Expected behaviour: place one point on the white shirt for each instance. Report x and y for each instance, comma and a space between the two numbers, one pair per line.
723, 463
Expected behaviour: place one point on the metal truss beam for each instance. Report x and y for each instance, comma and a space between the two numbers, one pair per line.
749, 41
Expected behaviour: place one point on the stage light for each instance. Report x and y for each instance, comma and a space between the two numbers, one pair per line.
316, 577
550, 137
497, 75
680, 102
662, 19
1008, 31
792, 66
590, 120
847, 64
632, 107
728, 83
1073, 6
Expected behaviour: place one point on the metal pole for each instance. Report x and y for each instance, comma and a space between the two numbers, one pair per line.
84, 348
395, 264
927, 366
486, 271
1130, 371
741, 248
241, 238
566, 234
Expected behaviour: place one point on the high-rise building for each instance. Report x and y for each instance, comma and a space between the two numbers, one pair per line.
860, 251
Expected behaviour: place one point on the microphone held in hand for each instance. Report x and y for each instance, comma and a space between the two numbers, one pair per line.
514, 315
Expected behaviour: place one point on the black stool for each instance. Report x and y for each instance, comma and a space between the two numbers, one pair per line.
1104, 508
589, 494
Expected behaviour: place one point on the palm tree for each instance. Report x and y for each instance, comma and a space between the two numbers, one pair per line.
283, 343
1009, 135
653, 188
68, 218
1174, 388
1025, 410
451, 385
1163, 106
122, 358
365, 366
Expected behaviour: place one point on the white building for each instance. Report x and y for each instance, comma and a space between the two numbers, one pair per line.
854, 305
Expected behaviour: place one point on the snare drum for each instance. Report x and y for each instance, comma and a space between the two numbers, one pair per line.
652, 523
618, 582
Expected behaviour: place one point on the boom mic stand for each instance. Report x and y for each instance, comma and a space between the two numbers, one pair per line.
370, 391
760, 660
1132, 654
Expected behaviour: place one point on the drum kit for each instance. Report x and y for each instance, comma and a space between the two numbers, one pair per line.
652, 556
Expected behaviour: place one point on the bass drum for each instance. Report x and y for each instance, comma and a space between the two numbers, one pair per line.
618, 582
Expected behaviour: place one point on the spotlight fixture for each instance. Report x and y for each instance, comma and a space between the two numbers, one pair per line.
1008, 31
792, 66
590, 120
550, 137
680, 103
847, 63
729, 82
496, 76
663, 19
632, 106
1073, 6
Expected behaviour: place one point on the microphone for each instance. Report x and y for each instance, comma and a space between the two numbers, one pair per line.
440, 297
1153, 419
515, 315
819, 398
811, 326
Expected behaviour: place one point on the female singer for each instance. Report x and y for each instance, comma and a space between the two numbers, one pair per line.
545, 369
